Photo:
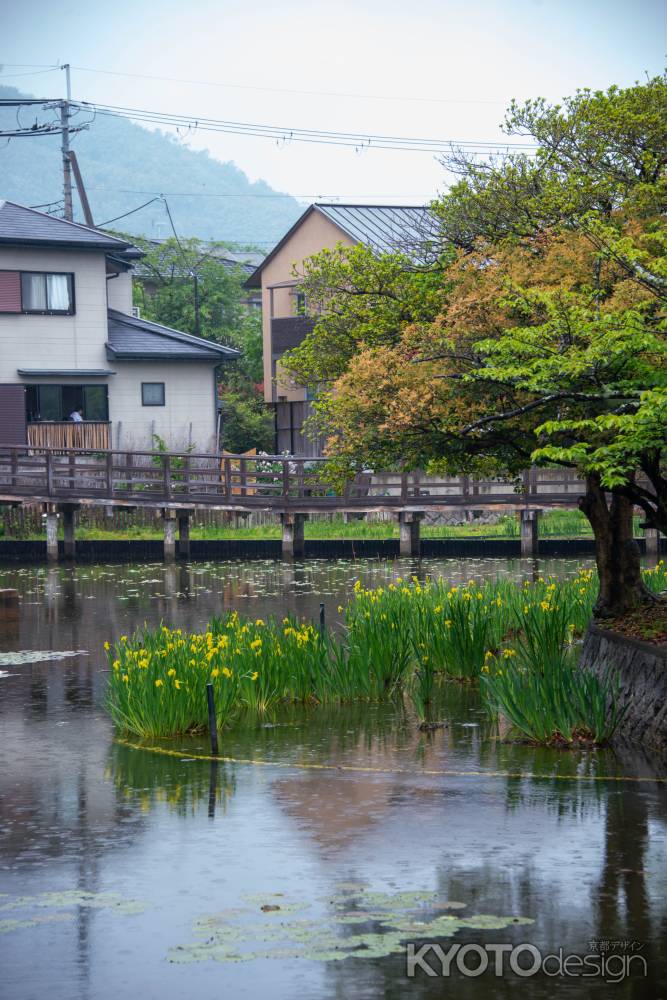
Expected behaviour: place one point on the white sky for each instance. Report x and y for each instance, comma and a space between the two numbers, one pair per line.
480, 53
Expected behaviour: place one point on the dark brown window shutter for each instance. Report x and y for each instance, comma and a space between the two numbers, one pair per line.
13, 428
10, 292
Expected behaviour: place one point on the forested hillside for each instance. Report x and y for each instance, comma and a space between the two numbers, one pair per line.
124, 164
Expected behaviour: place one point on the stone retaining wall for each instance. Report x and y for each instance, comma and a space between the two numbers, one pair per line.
643, 683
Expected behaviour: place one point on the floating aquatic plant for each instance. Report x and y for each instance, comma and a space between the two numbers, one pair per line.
353, 923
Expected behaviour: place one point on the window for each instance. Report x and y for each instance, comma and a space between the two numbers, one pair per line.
47, 293
152, 393
57, 402
300, 304
36, 292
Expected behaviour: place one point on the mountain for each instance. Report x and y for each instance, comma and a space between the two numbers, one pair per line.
124, 165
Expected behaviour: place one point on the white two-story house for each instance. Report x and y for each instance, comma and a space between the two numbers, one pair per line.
69, 344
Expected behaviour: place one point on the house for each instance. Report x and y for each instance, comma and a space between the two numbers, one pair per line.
69, 341
410, 229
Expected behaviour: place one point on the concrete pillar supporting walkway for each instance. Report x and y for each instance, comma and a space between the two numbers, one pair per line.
293, 535
530, 520
51, 533
184, 534
169, 517
408, 527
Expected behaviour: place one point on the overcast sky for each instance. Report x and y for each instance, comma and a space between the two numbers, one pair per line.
428, 68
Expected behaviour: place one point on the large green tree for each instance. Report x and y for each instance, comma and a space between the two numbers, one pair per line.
549, 342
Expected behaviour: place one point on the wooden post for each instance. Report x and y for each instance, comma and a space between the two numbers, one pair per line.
109, 473
51, 535
167, 476
48, 457
529, 532
228, 479
293, 535
408, 526
169, 517
184, 534
69, 515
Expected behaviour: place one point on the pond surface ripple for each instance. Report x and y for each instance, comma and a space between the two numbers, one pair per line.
301, 865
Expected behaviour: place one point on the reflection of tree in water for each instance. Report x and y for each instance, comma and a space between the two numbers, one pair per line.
147, 779
622, 904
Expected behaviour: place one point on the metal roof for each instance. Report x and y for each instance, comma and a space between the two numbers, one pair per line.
132, 339
408, 229
26, 227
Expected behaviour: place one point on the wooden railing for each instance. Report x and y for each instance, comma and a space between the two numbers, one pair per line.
94, 434
256, 483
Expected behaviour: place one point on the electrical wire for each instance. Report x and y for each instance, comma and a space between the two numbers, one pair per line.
287, 134
343, 199
288, 90
38, 72
125, 214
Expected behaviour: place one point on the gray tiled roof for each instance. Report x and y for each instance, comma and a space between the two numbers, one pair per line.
408, 229
25, 226
132, 339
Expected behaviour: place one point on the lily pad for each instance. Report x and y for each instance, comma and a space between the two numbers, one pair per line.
337, 934
21, 656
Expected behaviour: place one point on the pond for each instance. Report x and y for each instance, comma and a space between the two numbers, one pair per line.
302, 862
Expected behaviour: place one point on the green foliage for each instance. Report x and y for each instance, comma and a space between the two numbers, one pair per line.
545, 341
183, 283
557, 704
246, 423
358, 297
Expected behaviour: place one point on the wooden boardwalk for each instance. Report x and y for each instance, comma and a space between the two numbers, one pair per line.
63, 480
267, 482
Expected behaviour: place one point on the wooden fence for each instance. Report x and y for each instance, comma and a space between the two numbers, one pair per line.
95, 434
256, 483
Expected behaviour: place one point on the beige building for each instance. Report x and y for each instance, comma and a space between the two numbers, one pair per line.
285, 318
77, 367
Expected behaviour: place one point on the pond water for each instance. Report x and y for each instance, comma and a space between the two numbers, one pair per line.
302, 862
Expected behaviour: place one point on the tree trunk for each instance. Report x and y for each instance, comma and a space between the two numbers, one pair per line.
616, 552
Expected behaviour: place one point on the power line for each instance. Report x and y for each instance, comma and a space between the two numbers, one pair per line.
125, 214
287, 134
315, 195
38, 72
288, 90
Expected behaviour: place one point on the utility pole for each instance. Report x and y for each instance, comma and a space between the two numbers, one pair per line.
67, 167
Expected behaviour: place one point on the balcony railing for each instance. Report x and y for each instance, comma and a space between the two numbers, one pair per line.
93, 434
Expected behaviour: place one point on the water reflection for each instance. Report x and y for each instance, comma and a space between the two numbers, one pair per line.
336, 796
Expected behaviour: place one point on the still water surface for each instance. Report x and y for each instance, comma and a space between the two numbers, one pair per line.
124, 872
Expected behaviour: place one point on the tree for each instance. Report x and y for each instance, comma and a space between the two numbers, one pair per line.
550, 343
193, 288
